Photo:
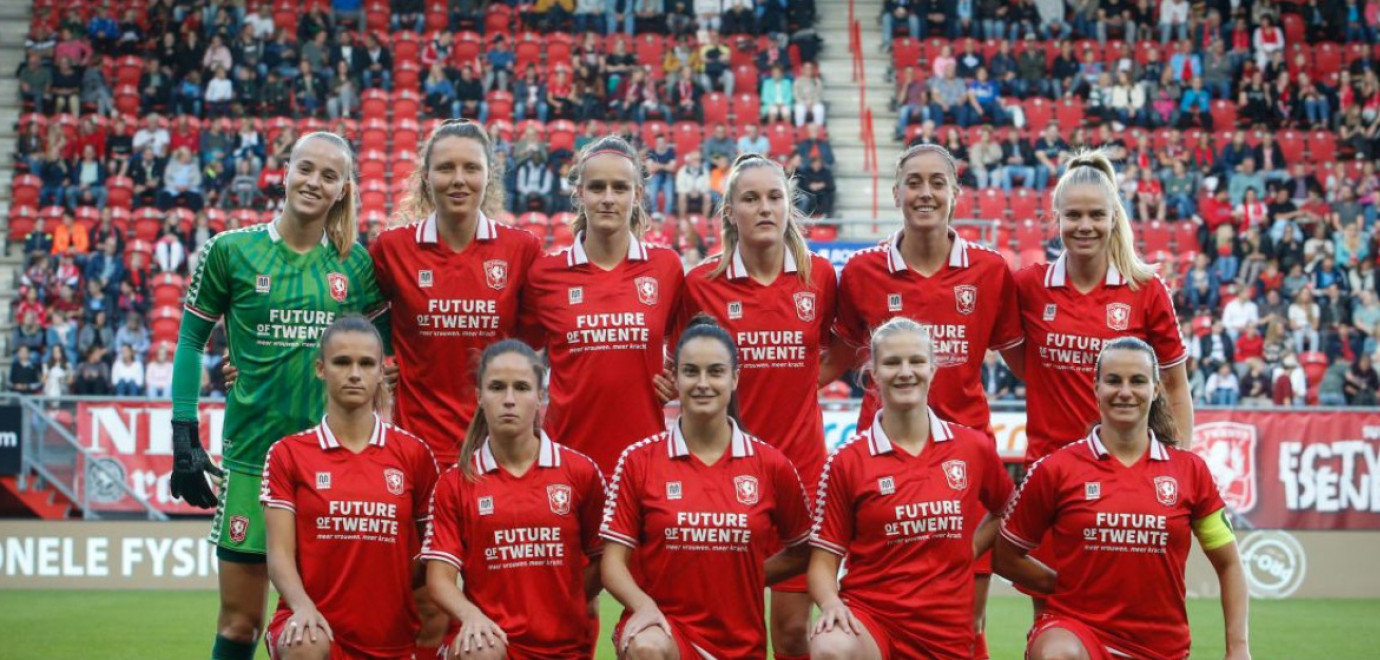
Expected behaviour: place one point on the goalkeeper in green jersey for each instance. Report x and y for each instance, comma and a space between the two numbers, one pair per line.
278, 286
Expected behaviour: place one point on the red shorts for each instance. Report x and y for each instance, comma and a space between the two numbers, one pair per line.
688, 651
796, 585
1085, 635
896, 643
278, 626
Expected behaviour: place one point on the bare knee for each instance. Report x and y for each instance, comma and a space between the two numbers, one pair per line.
1057, 644
306, 650
239, 624
651, 644
496, 652
835, 645
790, 631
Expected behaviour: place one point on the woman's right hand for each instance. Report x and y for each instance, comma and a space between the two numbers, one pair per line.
837, 615
478, 632
640, 621
303, 624
229, 371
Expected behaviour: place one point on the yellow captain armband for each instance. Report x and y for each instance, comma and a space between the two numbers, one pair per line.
1214, 531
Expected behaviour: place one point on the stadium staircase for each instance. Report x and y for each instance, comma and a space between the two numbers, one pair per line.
14, 27
32, 501
841, 93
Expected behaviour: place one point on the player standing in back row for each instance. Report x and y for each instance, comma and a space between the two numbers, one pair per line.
279, 286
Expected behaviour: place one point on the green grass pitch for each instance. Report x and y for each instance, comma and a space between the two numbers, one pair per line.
152, 625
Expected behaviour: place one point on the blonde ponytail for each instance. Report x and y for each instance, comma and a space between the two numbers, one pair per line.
1094, 167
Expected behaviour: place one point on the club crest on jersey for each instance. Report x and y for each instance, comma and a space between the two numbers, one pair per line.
393, 478
745, 488
323, 480
965, 298
558, 498
496, 273
805, 306
1118, 316
886, 485
646, 290
486, 506
261, 283
893, 302
1167, 490
673, 490
956, 473
735, 310
1050, 310
340, 286
575, 295
239, 528
1092, 490
424, 279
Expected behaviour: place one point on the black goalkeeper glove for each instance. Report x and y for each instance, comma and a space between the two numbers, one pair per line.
190, 466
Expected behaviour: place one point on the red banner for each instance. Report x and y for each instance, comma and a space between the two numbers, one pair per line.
132, 441
1295, 469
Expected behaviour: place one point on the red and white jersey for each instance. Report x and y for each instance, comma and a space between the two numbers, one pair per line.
701, 534
1113, 525
969, 306
521, 544
604, 332
779, 328
902, 522
447, 307
1065, 331
356, 518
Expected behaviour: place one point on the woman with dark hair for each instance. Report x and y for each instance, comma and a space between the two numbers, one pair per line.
693, 514
602, 309
346, 503
515, 494
1119, 507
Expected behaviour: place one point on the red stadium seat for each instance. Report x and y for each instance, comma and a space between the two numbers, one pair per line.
376, 15
147, 223
372, 165
407, 104
561, 135
714, 105
1025, 205
559, 48
1294, 30
498, 18
374, 135
373, 104
747, 109
781, 136
1291, 143
1223, 114
649, 49
468, 47
119, 191
1038, 112
215, 219
992, 204
1186, 236
1069, 113
437, 15
1030, 235
562, 236
527, 48
22, 220
1327, 60
932, 47
402, 164
745, 79
24, 191
905, 52
500, 105
167, 290
965, 206
407, 77
406, 135
127, 99
824, 233
164, 323
1322, 146
688, 137
406, 46
1155, 236
652, 129
374, 195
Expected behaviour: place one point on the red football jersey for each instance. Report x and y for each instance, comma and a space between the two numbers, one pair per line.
969, 307
447, 307
1065, 331
1114, 526
356, 529
521, 543
701, 534
604, 332
779, 329
901, 521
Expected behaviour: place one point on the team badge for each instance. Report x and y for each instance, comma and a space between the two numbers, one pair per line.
239, 528
956, 473
965, 298
576, 295
1167, 490
1228, 448
745, 488
424, 279
1118, 316
340, 286
261, 284
1092, 490
646, 290
886, 485
805, 306
1050, 310
893, 302
735, 310
486, 506
496, 273
323, 480
393, 478
673, 490
558, 498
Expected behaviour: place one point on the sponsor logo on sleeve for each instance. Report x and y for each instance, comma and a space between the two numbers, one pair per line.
558, 498
576, 295
339, 285
965, 298
1051, 310
893, 302
393, 479
745, 488
673, 491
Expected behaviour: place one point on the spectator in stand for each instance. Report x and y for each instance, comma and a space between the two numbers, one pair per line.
374, 64
127, 374
1223, 387
469, 91
85, 185
1239, 313
685, 96
407, 15
985, 158
152, 135
133, 335
92, 377
984, 101
535, 183
942, 63
1202, 285
912, 101
106, 268
501, 60
71, 238
181, 182
57, 373
62, 331
40, 240
719, 143
777, 99
692, 186
440, 94
1361, 383
35, 81
158, 373
1149, 197
661, 176
1303, 321
530, 96
25, 372
1215, 348
818, 181
146, 171
1018, 160
949, 99
812, 145
752, 141
29, 333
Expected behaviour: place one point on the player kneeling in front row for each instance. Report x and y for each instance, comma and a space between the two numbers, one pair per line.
518, 519
345, 504
1118, 508
699, 507
894, 500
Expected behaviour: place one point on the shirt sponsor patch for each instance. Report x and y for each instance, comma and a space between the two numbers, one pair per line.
1050, 310
735, 310
261, 284
1092, 490
486, 506
576, 295
893, 302
673, 491
323, 480
424, 279
886, 485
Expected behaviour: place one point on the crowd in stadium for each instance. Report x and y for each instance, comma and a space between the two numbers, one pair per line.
1246, 145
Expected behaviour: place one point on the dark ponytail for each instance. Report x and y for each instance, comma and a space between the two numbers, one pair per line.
1161, 420
703, 326
479, 425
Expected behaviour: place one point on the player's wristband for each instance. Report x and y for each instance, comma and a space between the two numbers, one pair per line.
1214, 531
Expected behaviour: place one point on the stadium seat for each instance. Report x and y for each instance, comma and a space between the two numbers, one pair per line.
1223, 114
215, 219
87, 216
745, 79
1327, 60
127, 99
1186, 236
559, 48
965, 206
1294, 32
1155, 235
714, 105
468, 48
1069, 113
401, 164
376, 15
498, 18
527, 47
373, 104
500, 105
992, 204
437, 15
1030, 235
1322, 146
285, 14
407, 77
407, 104
905, 52
374, 135
406, 135
686, 136
1025, 205
22, 220
406, 46
167, 290
824, 233
649, 49
24, 191
562, 236
164, 322
560, 135
374, 195
1291, 143
781, 136
564, 219
147, 223
747, 109
1038, 112
372, 164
